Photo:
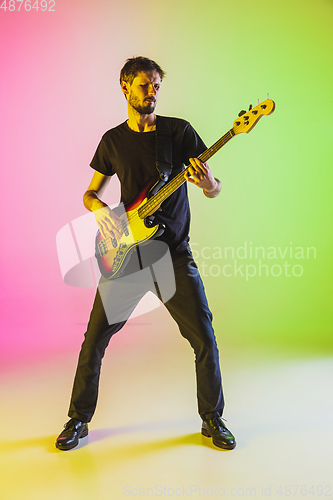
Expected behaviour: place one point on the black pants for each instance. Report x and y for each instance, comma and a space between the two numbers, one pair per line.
188, 307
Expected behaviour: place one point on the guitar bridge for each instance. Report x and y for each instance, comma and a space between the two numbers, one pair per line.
119, 257
102, 248
125, 229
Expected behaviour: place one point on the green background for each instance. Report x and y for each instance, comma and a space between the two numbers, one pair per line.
277, 180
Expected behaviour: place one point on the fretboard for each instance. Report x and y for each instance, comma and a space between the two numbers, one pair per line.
155, 201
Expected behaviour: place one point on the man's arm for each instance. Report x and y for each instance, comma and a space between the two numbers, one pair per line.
200, 174
107, 220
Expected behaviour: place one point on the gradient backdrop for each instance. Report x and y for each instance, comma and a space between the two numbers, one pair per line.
60, 93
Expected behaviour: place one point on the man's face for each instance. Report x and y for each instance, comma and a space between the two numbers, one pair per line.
142, 95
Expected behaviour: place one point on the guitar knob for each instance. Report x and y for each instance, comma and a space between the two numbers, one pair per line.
149, 220
242, 112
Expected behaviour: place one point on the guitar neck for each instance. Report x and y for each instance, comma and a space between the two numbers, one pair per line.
155, 201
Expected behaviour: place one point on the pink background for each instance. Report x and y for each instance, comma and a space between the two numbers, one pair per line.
52, 117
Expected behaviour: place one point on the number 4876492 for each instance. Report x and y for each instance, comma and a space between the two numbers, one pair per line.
28, 5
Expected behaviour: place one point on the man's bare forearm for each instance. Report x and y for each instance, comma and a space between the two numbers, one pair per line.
91, 201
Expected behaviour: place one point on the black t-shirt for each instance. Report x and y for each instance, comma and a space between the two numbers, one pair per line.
131, 155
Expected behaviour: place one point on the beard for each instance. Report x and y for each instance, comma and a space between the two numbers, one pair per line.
144, 109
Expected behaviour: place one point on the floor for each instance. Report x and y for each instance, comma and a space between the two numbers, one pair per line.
145, 441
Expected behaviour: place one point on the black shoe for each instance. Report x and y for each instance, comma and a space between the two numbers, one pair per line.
69, 438
216, 429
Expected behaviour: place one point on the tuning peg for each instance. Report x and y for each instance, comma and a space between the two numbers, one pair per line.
250, 107
242, 112
267, 96
258, 101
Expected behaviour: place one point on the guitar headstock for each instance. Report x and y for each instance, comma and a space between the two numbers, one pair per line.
250, 118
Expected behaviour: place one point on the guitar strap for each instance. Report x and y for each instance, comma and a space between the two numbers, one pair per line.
163, 143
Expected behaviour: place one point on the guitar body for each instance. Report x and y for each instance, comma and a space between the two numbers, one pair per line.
112, 258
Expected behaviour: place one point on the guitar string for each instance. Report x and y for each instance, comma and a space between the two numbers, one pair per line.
179, 179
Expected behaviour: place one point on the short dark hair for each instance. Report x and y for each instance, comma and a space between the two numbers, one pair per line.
136, 65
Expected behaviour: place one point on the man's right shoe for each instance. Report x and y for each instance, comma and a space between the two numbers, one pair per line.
216, 429
74, 429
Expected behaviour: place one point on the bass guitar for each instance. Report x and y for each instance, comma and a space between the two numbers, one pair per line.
136, 222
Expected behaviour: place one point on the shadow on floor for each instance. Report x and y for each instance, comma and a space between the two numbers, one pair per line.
139, 447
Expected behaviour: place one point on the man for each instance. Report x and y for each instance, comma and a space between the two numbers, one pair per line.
128, 150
